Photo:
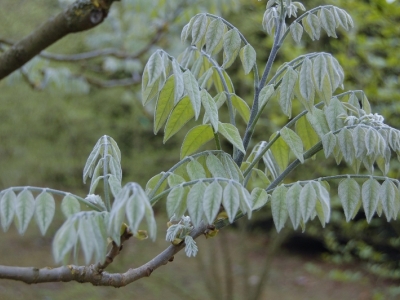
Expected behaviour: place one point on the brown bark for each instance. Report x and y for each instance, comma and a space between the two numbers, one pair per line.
80, 16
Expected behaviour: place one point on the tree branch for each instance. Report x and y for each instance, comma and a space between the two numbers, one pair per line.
80, 16
92, 274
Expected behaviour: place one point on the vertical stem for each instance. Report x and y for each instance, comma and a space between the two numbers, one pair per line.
217, 141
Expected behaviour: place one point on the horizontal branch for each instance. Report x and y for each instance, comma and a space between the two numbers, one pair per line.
80, 16
92, 274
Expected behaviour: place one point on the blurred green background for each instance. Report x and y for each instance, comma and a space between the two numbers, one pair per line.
46, 135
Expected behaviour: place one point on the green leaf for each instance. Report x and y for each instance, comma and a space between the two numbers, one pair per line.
305, 81
179, 116
294, 142
279, 207
293, 204
307, 200
306, 133
259, 197
210, 108
151, 184
195, 138
329, 143
322, 206
216, 167
314, 25
65, 238
175, 179
332, 112
174, 200
178, 80
241, 106
340, 17
231, 133
212, 201
215, 32
134, 210
287, 88
349, 195
192, 89
280, 151
359, 142
195, 202
86, 238
24, 210
387, 196
320, 70
248, 57
265, 95
70, 205
115, 185
318, 121
199, 28
165, 103
370, 197
7, 209
232, 44
231, 168
195, 170
44, 211
99, 231
91, 161
230, 201
297, 31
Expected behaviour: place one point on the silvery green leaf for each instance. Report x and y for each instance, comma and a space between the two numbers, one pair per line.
329, 143
341, 18
212, 201
230, 201
24, 210
231, 168
320, 69
305, 81
192, 89
64, 240
179, 86
232, 44
199, 28
279, 207
394, 139
396, 200
195, 202
216, 167
345, 138
315, 25
85, 237
195, 170
174, 180
293, 141
318, 121
154, 67
115, 185
210, 108
335, 71
287, 87
70, 205
245, 198
328, 23
387, 196
191, 247
174, 200
135, 210
370, 197
205, 78
115, 168
349, 19
322, 207
248, 57
259, 197
359, 141
7, 208
91, 161
307, 28
231, 133
307, 200
214, 35
184, 32
98, 222
265, 95
297, 31
44, 211
293, 204
371, 138
332, 113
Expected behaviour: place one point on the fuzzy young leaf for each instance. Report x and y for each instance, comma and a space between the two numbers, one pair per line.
91, 161
279, 207
320, 70
65, 238
135, 209
85, 237
345, 138
297, 31
328, 22
359, 142
7, 209
280, 150
192, 89
322, 207
318, 121
349, 195
329, 143
265, 95
195, 138
230, 201
178, 80
199, 28
231, 133
195, 202
306, 133
44, 211
24, 210
387, 196
70, 205
332, 112
287, 88
215, 32
216, 167
154, 67
293, 204
232, 44
175, 179
308, 200
248, 58
305, 81
152, 183
174, 200
195, 170
294, 142
165, 103
180, 115
210, 108
370, 197
212, 201
259, 197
